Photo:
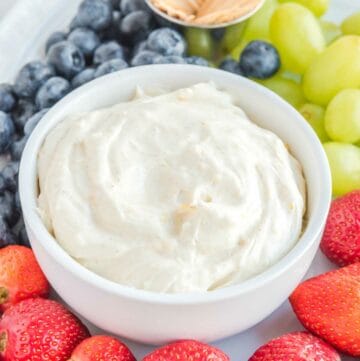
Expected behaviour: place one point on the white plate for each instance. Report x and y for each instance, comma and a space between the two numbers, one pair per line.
22, 36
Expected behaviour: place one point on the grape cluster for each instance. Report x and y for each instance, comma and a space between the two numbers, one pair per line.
319, 74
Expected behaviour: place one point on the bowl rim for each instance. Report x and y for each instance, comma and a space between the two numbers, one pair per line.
173, 20
28, 182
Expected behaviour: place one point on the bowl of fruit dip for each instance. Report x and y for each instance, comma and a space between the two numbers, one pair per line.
208, 14
151, 314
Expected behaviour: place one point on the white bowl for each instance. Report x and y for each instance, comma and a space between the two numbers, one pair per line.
153, 317
174, 20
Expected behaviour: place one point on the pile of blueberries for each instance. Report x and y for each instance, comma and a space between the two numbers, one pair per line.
105, 36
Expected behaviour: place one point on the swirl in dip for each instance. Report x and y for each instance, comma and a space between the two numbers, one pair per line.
179, 192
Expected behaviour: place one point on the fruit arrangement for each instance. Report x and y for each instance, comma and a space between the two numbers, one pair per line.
318, 73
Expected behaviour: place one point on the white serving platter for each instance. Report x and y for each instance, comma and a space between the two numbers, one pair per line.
23, 33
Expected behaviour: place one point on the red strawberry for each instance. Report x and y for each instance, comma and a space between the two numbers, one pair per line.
20, 276
329, 306
185, 351
341, 240
102, 348
297, 346
37, 330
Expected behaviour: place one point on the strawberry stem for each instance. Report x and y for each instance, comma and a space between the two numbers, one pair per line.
3, 341
4, 295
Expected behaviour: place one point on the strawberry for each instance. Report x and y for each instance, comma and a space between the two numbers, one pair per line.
102, 348
297, 346
37, 329
329, 306
185, 351
341, 239
20, 276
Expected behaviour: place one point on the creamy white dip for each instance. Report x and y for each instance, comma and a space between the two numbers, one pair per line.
173, 193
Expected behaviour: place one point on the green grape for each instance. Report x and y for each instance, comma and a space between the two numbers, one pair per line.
297, 35
292, 76
257, 27
314, 114
330, 30
318, 7
200, 42
342, 117
351, 25
233, 35
286, 88
236, 52
344, 160
337, 68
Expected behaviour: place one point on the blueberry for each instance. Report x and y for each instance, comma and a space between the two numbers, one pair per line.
7, 130
95, 14
9, 176
115, 21
17, 148
171, 59
164, 23
196, 60
166, 42
110, 67
129, 6
108, 51
67, 59
2, 184
145, 57
51, 92
84, 77
136, 26
33, 121
53, 39
7, 237
259, 60
8, 211
31, 77
7, 98
113, 31
75, 23
115, 4
17, 200
116, 17
218, 34
85, 39
22, 236
22, 112
139, 47
231, 66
